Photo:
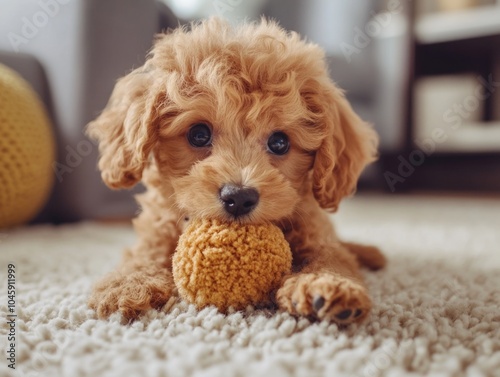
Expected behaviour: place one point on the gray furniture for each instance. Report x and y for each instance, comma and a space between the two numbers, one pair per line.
72, 52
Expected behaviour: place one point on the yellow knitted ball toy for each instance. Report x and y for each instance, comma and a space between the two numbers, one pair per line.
230, 265
26, 151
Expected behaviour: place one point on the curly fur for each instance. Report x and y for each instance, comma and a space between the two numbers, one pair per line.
247, 83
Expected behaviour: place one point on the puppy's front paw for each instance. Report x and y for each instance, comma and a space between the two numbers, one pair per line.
324, 296
131, 293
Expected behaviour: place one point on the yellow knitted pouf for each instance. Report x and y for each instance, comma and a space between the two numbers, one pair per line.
26, 151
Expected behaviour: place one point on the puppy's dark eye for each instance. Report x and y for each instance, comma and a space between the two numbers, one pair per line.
199, 135
278, 143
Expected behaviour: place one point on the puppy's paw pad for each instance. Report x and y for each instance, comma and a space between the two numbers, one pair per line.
325, 296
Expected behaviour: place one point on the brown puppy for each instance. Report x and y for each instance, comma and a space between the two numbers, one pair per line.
243, 125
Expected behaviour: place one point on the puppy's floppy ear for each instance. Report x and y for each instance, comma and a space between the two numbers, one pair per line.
127, 129
349, 145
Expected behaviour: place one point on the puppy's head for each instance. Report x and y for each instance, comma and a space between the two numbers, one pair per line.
239, 124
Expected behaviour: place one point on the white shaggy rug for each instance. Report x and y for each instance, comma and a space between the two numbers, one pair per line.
437, 305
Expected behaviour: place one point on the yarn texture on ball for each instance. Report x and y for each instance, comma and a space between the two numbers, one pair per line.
228, 264
27, 150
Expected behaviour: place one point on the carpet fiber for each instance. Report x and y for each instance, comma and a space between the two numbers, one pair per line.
437, 305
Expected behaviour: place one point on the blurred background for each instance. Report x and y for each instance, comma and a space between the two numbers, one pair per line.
425, 73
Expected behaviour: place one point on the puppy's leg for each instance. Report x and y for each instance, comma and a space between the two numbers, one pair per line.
328, 284
368, 256
329, 287
144, 278
137, 285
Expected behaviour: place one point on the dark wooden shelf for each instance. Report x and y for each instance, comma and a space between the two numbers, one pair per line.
447, 44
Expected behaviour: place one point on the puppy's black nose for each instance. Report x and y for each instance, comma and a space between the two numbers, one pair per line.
237, 200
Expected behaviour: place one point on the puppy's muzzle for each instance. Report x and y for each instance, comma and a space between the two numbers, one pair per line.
237, 200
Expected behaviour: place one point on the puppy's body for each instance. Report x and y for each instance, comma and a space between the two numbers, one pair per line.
242, 125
